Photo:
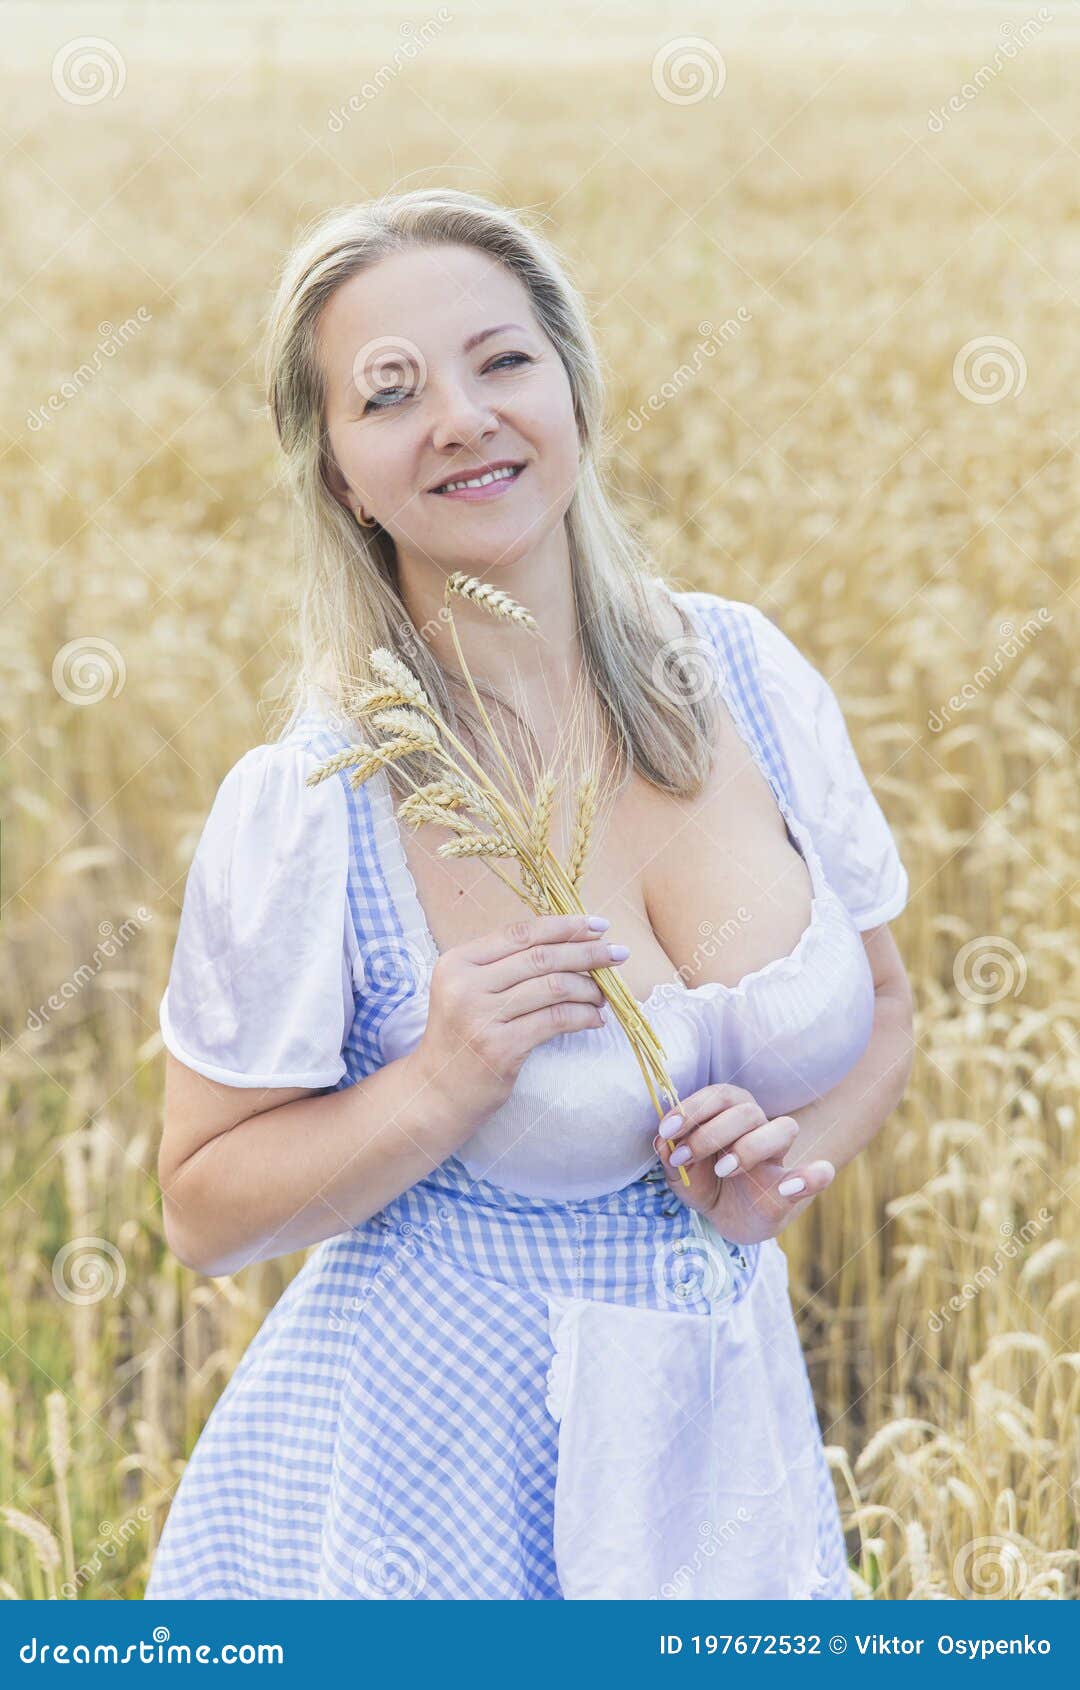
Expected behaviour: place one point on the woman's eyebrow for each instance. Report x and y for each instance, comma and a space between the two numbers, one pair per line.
485, 334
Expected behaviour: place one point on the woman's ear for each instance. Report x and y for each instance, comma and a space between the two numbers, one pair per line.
336, 483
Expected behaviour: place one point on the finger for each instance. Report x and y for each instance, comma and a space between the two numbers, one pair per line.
722, 1130
701, 1106
538, 943
773, 1140
695, 1184
806, 1180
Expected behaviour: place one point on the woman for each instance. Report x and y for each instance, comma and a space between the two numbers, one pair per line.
530, 1359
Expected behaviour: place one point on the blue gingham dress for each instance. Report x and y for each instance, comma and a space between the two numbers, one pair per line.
480, 1394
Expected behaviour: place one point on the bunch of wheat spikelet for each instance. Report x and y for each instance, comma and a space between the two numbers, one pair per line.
499, 827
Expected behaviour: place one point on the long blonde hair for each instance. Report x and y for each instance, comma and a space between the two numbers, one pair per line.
349, 599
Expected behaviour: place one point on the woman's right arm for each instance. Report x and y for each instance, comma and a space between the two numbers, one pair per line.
264, 1151
246, 1175
242, 1183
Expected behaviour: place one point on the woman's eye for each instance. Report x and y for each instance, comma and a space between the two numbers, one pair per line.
386, 397
379, 400
519, 357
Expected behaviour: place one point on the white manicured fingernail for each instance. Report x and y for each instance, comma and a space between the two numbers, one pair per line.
726, 1165
788, 1187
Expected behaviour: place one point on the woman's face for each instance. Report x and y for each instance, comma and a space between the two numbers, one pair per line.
420, 391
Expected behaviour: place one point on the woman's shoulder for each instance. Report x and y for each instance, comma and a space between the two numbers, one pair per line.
277, 771
829, 788
260, 989
272, 832
741, 623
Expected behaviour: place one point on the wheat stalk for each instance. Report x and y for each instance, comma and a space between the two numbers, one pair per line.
58, 1438
521, 832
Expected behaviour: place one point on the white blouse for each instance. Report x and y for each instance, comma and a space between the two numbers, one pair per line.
267, 967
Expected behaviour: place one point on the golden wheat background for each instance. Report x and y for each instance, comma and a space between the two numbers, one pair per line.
836, 296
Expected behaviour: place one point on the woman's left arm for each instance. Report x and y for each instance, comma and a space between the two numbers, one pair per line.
840, 1124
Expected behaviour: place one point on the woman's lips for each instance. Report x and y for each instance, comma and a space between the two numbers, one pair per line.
480, 495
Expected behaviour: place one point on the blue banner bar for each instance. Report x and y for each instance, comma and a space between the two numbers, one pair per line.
546, 1644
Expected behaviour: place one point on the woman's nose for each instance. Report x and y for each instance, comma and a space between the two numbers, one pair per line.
460, 417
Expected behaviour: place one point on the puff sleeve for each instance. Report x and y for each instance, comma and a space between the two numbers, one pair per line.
830, 792
260, 990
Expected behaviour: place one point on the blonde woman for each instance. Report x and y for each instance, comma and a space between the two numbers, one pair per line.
527, 1359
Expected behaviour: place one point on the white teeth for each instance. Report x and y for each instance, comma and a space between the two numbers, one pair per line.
480, 480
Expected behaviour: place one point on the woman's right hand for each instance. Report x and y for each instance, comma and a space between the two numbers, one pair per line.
496, 997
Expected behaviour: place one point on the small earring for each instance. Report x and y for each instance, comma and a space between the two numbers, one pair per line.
366, 522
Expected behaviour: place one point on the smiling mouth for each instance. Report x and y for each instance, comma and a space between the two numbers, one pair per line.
478, 487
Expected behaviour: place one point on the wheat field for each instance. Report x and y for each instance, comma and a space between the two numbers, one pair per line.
832, 263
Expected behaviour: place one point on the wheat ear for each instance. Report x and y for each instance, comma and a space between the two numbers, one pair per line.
585, 815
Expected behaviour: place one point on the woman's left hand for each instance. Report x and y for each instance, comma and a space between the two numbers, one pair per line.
756, 1195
